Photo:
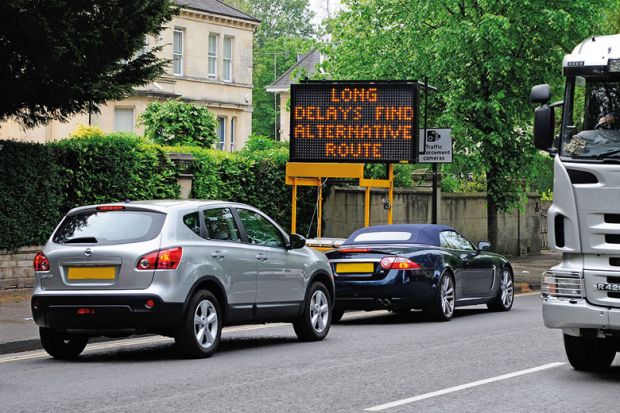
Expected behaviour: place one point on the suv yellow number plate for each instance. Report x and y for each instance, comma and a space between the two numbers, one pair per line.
357, 268
91, 273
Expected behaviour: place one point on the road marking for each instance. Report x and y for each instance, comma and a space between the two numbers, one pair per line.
462, 387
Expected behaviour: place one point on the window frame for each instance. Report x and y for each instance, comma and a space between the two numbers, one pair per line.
181, 54
203, 227
246, 240
225, 59
233, 126
221, 144
210, 55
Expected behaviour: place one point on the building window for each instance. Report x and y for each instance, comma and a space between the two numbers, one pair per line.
233, 131
221, 133
212, 56
177, 53
227, 57
123, 119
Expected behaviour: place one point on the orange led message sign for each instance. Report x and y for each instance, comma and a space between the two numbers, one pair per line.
354, 122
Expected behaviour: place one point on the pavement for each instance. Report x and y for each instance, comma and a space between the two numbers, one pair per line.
377, 361
19, 333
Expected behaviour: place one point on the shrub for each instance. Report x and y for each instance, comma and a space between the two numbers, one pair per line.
86, 131
30, 193
178, 123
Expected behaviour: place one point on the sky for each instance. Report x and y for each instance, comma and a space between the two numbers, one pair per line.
320, 8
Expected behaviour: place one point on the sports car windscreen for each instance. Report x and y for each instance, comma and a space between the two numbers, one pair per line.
109, 227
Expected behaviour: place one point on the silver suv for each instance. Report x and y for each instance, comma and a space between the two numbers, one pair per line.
178, 268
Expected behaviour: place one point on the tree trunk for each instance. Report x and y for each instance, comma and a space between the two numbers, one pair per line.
492, 228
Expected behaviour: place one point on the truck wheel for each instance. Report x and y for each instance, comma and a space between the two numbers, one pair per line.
200, 332
442, 306
505, 293
62, 345
314, 323
589, 354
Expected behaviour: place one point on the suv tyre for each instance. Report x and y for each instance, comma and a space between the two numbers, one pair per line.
200, 332
589, 354
316, 319
62, 345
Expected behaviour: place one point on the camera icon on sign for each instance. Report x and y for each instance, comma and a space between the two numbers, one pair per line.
432, 136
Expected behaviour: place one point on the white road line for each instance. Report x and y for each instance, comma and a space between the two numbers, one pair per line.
397, 403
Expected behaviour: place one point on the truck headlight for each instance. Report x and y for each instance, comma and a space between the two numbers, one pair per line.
562, 284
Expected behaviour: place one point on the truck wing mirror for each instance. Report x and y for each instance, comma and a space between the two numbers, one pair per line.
540, 94
544, 127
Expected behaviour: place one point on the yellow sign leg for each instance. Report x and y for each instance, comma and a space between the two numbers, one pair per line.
391, 193
367, 207
319, 214
294, 208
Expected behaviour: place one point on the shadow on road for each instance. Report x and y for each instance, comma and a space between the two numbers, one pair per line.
387, 318
167, 351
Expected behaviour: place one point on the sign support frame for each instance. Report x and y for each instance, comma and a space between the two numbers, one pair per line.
313, 174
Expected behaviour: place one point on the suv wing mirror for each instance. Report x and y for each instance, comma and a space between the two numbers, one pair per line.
296, 242
540, 94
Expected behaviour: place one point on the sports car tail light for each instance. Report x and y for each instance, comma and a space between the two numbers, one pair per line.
562, 284
41, 263
399, 263
167, 259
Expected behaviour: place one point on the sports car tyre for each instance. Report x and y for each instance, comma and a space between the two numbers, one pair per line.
589, 354
337, 314
200, 332
314, 324
442, 306
62, 345
505, 293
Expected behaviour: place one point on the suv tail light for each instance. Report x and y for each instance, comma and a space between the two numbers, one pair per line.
399, 263
41, 263
167, 259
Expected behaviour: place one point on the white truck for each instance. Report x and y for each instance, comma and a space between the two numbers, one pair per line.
581, 295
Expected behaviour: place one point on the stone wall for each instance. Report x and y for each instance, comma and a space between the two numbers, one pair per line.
520, 231
16, 269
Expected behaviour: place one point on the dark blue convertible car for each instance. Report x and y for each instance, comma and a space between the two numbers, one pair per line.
411, 266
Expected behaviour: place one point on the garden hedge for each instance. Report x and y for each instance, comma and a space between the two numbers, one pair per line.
41, 182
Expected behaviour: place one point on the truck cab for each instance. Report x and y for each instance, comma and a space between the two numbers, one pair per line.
581, 295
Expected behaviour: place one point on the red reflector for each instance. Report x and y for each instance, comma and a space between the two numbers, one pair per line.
41, 263
399, 263
353, 250
106, 208
167, 259
150, 304
85, 311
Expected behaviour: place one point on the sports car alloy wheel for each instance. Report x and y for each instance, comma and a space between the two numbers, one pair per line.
319, 311
506, 288
205, 324
447, 296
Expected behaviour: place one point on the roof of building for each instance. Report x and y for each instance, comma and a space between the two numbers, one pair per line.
308, 62
216, 7
399, 234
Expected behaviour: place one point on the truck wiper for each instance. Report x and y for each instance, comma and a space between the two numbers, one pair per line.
85, 240
608, 153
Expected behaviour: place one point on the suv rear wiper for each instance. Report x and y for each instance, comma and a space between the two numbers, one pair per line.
85, 240
608, 153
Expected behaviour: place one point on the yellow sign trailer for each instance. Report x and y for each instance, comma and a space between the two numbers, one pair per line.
313, 173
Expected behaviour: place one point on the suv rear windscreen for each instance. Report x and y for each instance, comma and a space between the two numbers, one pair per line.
110, 227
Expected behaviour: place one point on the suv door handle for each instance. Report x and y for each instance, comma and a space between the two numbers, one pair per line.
218, 254
261, 257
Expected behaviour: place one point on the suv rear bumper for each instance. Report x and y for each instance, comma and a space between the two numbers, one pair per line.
579, 314
106, 312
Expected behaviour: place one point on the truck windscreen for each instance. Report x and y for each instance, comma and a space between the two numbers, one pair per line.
592, 124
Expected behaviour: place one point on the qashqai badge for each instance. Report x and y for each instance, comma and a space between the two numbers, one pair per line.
88, 252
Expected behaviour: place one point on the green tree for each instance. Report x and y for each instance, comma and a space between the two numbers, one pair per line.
62, 57
177, 123
285, 31
483, 56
